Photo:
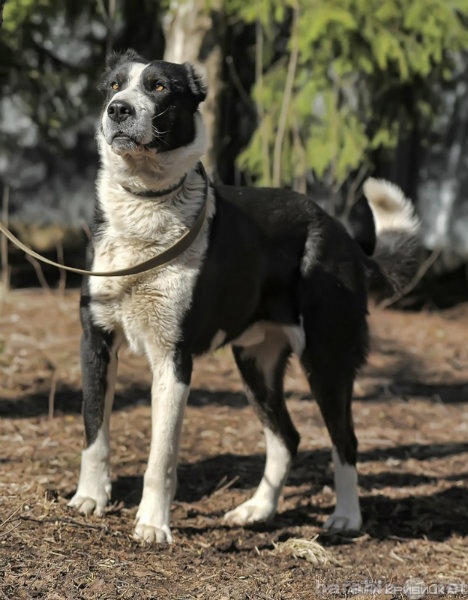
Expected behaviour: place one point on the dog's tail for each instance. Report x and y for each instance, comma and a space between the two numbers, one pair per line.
395, 259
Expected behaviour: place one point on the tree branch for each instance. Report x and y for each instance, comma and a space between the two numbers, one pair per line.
423, 269
288, 87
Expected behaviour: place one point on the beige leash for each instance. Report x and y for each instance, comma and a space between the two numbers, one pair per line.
158, 261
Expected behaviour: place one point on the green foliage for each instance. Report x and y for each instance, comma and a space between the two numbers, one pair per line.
363, 71
17, 12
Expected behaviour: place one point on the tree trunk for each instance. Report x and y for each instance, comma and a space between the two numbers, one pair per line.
197, 36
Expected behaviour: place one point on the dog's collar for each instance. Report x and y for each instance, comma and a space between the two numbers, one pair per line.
156, 193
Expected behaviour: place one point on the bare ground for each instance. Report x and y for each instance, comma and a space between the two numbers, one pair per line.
411, 419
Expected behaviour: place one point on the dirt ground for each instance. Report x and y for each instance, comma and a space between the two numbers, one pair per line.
411, 419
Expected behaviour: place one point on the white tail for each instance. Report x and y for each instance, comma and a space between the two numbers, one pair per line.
391, 210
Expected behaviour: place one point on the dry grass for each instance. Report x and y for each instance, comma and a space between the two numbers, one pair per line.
309, 550
411, 419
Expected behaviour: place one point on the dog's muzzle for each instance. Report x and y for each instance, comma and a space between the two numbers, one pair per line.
122, 129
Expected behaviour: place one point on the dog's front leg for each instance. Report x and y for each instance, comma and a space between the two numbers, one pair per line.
99, 369
168, 398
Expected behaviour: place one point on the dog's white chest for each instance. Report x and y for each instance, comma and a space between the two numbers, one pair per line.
148, 308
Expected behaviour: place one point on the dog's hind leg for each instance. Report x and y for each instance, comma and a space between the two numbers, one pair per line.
332, 383
262, 367
99, 369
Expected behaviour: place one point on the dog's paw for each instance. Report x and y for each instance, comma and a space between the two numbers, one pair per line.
89, 506
337, 522
250, 512
147, 534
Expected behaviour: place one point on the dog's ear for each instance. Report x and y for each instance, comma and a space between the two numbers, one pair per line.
196, 84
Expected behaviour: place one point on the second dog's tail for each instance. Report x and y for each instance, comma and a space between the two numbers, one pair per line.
396, 257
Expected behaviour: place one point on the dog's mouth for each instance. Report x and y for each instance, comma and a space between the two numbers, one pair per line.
124, 144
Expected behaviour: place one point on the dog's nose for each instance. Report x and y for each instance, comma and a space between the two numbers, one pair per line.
119, 110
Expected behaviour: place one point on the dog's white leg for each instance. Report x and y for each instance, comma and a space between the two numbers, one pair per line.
347, 514
168, 399
94, 484
264, 503
99, 366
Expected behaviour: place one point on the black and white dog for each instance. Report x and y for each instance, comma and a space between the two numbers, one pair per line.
269, 273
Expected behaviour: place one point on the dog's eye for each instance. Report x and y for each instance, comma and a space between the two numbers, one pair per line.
115, 86
158, 87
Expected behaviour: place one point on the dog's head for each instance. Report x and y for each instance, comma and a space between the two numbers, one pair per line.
149, 106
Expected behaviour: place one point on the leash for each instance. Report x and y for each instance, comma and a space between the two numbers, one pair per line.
158, 261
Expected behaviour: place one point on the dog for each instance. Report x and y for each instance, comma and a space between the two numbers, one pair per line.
269, 272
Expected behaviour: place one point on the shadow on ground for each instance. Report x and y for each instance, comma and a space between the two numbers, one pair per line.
68, 399
433, 516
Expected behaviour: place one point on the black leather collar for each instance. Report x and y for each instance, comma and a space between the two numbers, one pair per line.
156, 193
